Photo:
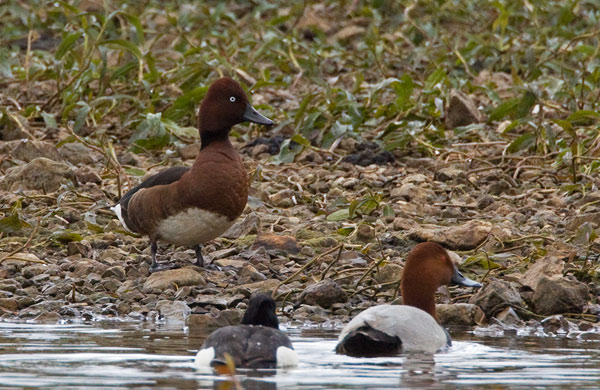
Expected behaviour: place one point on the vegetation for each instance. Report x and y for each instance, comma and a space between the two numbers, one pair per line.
118, 75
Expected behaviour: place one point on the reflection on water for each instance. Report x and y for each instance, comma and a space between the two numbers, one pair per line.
144, 356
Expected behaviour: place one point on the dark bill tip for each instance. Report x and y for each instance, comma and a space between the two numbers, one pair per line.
459, 279
251, 115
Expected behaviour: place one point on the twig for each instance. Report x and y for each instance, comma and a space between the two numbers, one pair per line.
10, 256
339, 255
305, 266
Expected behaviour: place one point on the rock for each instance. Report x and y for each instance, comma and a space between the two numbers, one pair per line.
223, 253
9, 304
389, 273
265, 286
220, 301
449, 173
272, 241
173, 278
495, 296
461, 110
324, 293
27, 150
365, 233
356, 259
9, 285
412, 192
78, 154
82, 247
321, 242
205, 323
48, 318
465, 314
559, 295
554, 324
282, 198
249, 274
238, 264
39, 174
176, 311
243, 227
464, 237
548, 266
509, 316
189, 152
87, 175
117, 272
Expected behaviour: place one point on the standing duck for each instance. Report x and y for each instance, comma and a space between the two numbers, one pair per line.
190, 206
386, 330
256, 343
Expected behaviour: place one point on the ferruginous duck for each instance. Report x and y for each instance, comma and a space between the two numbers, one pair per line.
188, 206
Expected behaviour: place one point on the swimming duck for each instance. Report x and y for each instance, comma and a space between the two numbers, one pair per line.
256, 343
190, 206
386, 330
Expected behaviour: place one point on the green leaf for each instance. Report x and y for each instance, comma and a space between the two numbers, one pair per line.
525, 104
135, 172
481, 260
505, 108
66, 44
339, 215
287, 152
388, 211
346, 231
300, 140
434, 78
139, 30
124, 45
186, 132
404, 89
49, 120
583, 117
12, 224
65, 236
524, 141
150, 134
81, 115
185, 104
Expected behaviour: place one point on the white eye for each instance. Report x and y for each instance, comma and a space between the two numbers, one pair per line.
232, 99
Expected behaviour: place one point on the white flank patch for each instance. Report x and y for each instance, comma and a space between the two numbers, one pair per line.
117, 210
286, 357
193, 227
204, 357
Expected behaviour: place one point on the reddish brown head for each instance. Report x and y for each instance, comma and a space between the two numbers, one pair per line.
224, 106
428, 266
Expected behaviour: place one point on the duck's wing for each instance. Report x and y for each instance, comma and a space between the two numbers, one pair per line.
166, 176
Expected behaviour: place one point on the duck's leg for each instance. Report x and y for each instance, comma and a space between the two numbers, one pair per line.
199, 258
154, 267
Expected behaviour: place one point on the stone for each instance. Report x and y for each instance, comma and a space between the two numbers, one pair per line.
449, 174
218, 301
249, 274
9, 304
282, 198
173, 311
554, 324
40, 174
509, 316
173, 278
48, 318
495, 296
464, 237
283, 243
27, 150
549, 266
465, 314
204, 323
461, 111
265, 286
238, 264
87, 175
243, 227
389, 273
365, 233
78, 154
559, 295
324, 293
189, 152
116, 271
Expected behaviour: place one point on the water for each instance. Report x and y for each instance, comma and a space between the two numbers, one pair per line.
114, 355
